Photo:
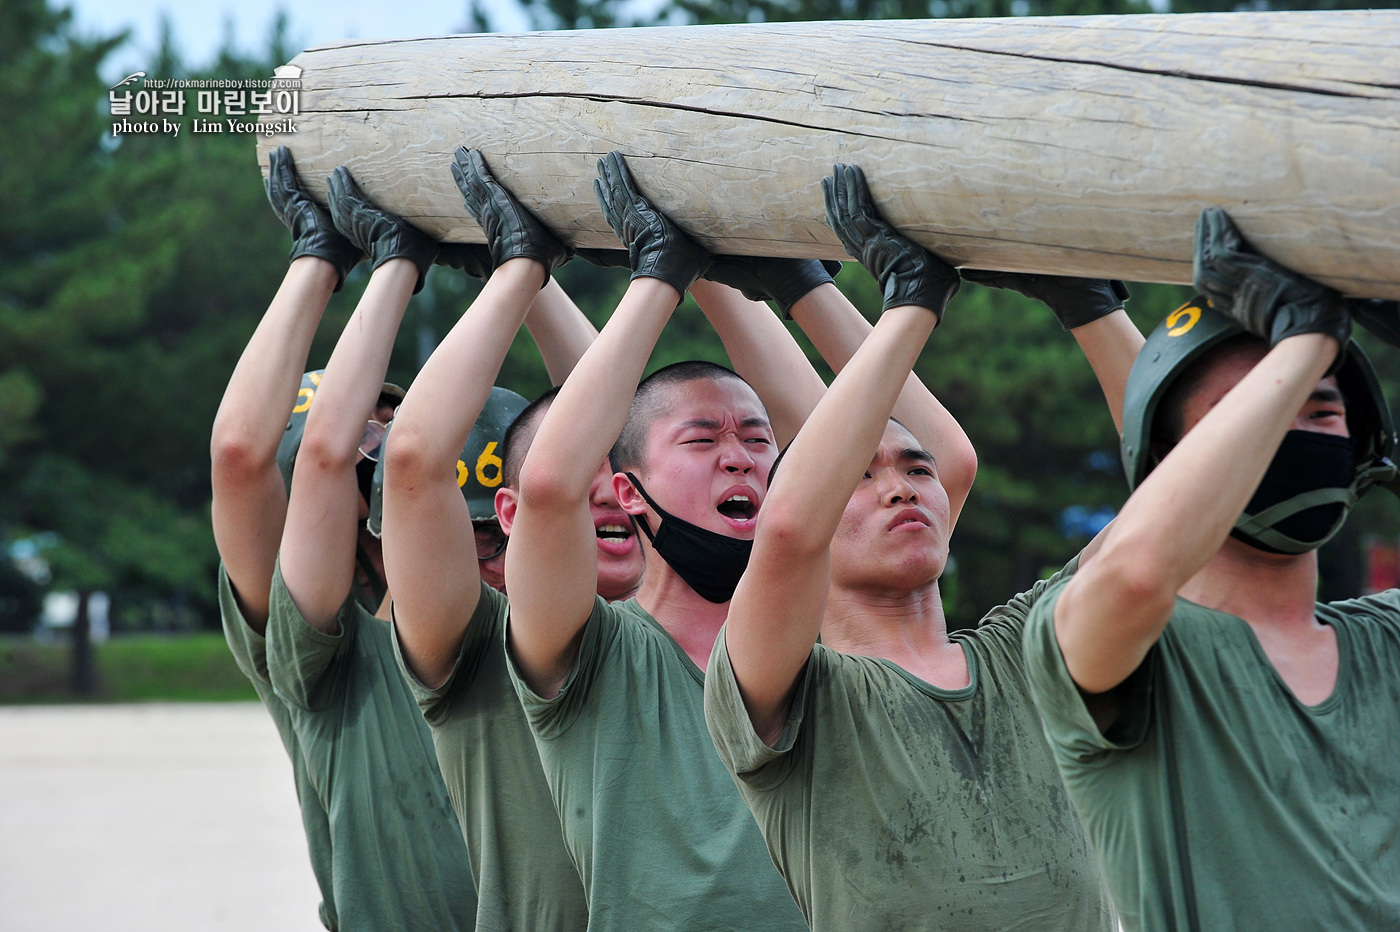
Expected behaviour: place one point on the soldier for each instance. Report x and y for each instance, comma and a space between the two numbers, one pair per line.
1231, 743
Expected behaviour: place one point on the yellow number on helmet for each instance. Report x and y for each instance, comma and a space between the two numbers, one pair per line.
304, 398
1182, 319
489, 459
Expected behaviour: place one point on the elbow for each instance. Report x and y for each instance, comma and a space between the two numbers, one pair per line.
1134, 587
789, 531
957, 468
411, 460
236, 459
326, 453
545, 485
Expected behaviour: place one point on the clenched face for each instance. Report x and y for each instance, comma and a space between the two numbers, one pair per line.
708, 456
893, 535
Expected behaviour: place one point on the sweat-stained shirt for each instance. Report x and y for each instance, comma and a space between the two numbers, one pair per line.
525, 878
398, 859
250, 653
889, 803
1218, 801
660, 835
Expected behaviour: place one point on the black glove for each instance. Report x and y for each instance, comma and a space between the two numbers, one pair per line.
376, 231
313, 233
785, 281
512, 232
472, 258
607, 258
1265, 298
656, 247
1380, 317
1075, 301
907, 272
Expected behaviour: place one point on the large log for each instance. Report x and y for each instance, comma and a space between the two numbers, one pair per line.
1080, 145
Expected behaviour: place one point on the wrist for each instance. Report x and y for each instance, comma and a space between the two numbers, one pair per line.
314, 271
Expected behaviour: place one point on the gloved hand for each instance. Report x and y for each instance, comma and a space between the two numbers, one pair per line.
1265, 298
1380, 317
512, 232
379, 233
656, 247
607, 258
907, 272
785, 281
472, 258
1075, 301
313, 233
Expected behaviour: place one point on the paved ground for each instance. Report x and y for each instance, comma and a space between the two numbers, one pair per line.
149, 817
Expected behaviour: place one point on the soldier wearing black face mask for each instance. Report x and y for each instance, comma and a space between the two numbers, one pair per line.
1231, 743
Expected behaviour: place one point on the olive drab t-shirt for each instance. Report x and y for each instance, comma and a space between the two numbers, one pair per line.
660, 836
525, 879
889, 803
1218, 801
398, 858
250, 653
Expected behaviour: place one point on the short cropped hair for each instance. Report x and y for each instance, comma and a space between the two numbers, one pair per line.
520, 435
629, 452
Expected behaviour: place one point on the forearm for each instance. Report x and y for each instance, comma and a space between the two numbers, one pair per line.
429, 550
764, 354
592, 406
253, 413
560, 331
1113, 611
837, 330
318, 543
249, 503
1111, 345
551, 562
834, 448
451, 390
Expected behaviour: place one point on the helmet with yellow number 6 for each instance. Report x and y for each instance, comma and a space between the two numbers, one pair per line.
480, 468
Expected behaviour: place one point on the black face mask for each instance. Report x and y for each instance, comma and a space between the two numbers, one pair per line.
1304, 496
710, 563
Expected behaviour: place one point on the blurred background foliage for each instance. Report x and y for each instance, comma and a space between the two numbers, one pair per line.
132, 272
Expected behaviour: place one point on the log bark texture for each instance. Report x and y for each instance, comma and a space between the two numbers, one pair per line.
1076, 145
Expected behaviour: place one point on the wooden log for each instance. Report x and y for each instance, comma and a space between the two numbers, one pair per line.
1077, 145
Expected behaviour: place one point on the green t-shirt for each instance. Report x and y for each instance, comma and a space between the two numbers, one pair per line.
1218, 801
889, 803
524, 875
654, 823
398, 858
250, 653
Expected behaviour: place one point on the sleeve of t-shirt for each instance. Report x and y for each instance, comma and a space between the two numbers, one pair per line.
743, 752
248, 647
1383, 608
550, 718
1069, 726
491, 608
298, 655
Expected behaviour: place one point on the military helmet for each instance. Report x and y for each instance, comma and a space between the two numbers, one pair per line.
296, 425
1192, 330
480, 469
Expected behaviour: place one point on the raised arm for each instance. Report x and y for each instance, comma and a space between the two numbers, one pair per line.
429, 549
776, 613
325, 509
1113, 611
552, 558
837, 329
560, 331
762, 350
1092, 310
250, 499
